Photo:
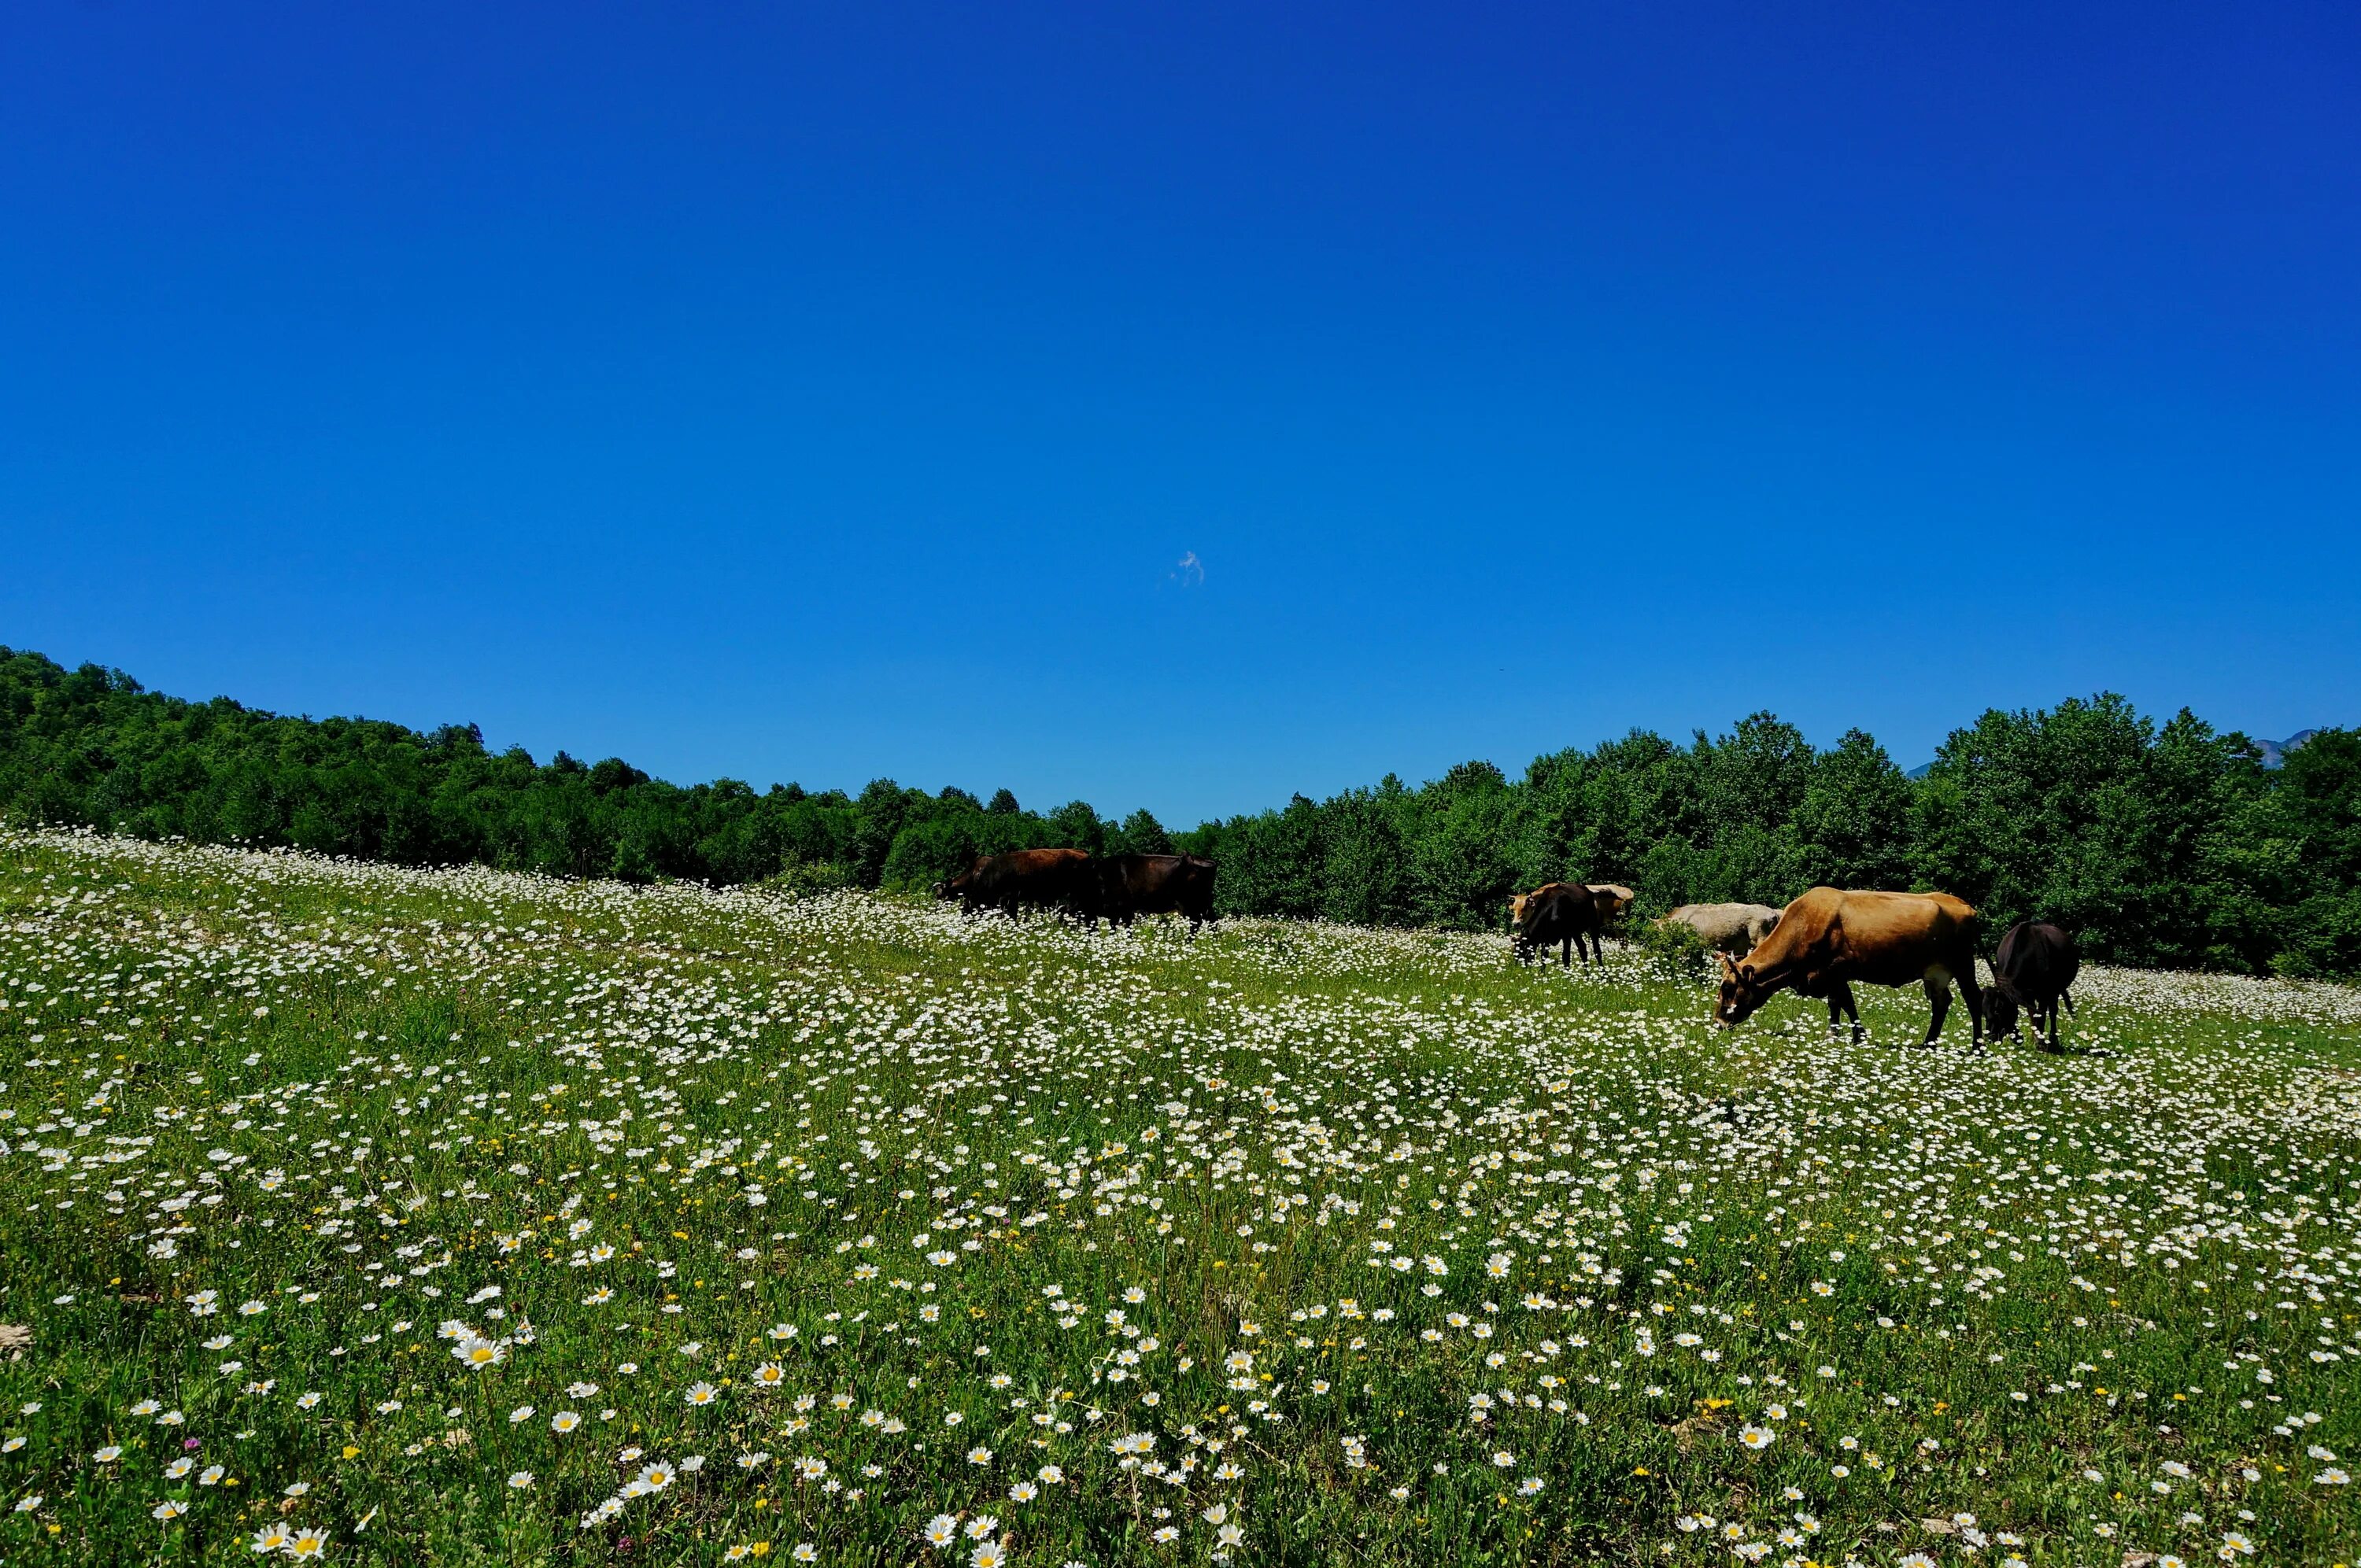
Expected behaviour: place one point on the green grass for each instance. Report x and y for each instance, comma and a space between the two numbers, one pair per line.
2102, 1302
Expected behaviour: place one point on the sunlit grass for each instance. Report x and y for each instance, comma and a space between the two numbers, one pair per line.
465, 1217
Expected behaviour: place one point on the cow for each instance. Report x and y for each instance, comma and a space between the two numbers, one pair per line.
1560, 912
1132, 885
1731, 928
1023, 879
1829, 938
1614, 901
2033, 968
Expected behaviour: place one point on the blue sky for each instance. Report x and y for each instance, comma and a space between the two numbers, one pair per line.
828, 391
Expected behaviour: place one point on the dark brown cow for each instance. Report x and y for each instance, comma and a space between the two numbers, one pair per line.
1027, 879
1560, 912
1828, 938
1131, 885
2033, 968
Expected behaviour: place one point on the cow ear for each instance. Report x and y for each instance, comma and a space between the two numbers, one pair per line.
1746, 973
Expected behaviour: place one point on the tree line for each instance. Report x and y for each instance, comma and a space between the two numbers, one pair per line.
2157, 844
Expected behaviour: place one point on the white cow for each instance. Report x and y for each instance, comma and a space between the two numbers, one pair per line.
1726, 927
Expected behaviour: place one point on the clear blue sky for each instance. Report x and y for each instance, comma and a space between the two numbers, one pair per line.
829, 391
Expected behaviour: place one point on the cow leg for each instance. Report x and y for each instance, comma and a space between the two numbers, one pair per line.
1938, 997
1973, 995
1565, 953
1840, 1005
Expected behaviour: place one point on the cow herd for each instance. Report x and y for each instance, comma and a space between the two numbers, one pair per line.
1119, 887
1827, 940
1819, 946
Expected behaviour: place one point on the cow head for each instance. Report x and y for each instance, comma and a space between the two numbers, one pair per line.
2000, 1011
1741, 993
1522, 906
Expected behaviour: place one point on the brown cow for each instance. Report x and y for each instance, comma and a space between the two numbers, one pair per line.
1828, 938
1132, 885
1560, 912
1039, 879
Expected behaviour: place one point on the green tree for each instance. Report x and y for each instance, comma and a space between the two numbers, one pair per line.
1853, 820
1140, 834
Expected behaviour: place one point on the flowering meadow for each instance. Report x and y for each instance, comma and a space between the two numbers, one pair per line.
393, 1216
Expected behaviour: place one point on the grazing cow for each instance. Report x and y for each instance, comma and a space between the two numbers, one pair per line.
1828, 938
1614, 901
1132, 885
1726, 927
2033, 968
1022, 878
1560, 912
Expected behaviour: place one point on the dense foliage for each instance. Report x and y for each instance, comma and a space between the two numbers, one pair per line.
2170, 844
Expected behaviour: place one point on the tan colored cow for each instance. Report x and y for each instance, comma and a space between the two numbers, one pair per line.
1829, 938
1726, 927
1614, 900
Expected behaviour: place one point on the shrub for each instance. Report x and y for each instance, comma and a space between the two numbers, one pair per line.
1674, 949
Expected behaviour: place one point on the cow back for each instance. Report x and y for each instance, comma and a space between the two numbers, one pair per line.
1558, 911
1157, 884
1836, 933
2036, 961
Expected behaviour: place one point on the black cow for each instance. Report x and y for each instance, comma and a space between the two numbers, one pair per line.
2033, 968
1023, 879
1560, 912
1132, 885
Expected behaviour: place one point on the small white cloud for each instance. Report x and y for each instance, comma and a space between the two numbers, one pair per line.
1189, 572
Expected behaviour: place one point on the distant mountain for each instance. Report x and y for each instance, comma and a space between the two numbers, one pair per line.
2274, 752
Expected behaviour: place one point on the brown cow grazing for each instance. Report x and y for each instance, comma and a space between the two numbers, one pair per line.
1828, 938
1132, 885
1023, 879
1560, 912
2033, 968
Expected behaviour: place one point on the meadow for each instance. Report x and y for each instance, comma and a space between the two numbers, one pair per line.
385, 1215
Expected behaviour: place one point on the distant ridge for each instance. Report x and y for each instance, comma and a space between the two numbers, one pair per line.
2274, 751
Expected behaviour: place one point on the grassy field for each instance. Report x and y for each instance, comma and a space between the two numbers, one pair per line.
402, 1217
